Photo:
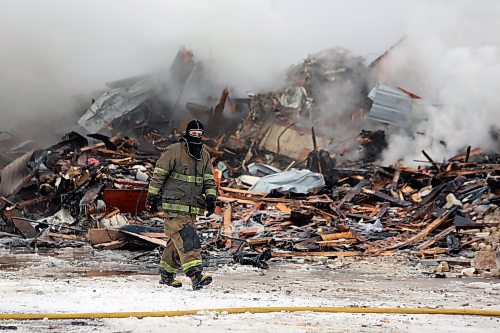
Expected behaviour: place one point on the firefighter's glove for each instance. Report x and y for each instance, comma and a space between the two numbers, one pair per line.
152, 202
210, 205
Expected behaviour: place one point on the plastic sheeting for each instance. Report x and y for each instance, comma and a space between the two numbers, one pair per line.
297, 181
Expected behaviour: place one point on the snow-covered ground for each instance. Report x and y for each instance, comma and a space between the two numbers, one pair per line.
76, 280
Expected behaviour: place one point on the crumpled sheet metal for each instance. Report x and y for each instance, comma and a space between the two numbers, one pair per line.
114, 104
15, 174
297, 181
390, 106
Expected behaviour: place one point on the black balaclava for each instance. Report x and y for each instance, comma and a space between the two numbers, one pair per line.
194, 143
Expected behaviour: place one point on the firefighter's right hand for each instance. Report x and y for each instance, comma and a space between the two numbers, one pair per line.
210, 205
152, 203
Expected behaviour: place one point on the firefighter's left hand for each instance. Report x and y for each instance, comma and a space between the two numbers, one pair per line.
210, 205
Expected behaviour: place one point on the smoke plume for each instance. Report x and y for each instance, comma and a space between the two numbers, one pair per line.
450, 57
57, 55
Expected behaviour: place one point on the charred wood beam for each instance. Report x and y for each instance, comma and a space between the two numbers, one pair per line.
386, 197
353, 192
434, 164
467, 155
434, 239
426, 231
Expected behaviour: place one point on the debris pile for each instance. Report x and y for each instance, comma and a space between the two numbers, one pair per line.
284, 191
445, 209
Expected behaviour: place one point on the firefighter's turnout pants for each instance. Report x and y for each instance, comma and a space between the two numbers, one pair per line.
183, 249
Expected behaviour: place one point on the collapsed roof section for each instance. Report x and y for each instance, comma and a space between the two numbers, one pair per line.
160, 94
327, 91
165, 100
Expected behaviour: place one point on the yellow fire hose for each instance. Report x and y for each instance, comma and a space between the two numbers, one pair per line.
94, 315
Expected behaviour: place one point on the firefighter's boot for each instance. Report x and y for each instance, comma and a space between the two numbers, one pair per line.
169, 279
199, 280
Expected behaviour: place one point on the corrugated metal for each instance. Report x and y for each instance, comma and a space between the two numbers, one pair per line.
390, 106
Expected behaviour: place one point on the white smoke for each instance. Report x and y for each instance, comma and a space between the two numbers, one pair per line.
52, 51
450, 57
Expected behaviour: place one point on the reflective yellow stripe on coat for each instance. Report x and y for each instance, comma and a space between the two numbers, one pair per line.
182, 208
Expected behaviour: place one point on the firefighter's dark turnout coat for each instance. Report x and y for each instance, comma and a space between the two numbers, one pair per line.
183, 182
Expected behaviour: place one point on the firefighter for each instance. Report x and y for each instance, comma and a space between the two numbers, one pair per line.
183, 181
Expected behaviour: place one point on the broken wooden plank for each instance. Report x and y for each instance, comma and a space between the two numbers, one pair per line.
456, 173
463, 222
67, 237
119, 160
114, 152
90, 147
434, 239
395, 179
353, 192
282, 207
249, 232
8, 234
434, 164
245, 199
213, 152
155, 241
27, 203
433, 251
361, 217
381, 212
255, 208
227, 224
469, 153
16, 174
338, 211
337, 242
316, 254
131, 182
236, 190
315, 199
259, 241
99, 236
285, 224
322, 212
155, 234
113, 245
229, 199
25, 228
386, 197
434, 193
337, 235
436, 223
112, 213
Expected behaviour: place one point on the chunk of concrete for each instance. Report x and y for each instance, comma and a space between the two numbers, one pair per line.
484, 260
468, 271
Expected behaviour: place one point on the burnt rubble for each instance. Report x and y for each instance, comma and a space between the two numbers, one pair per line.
92, 188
